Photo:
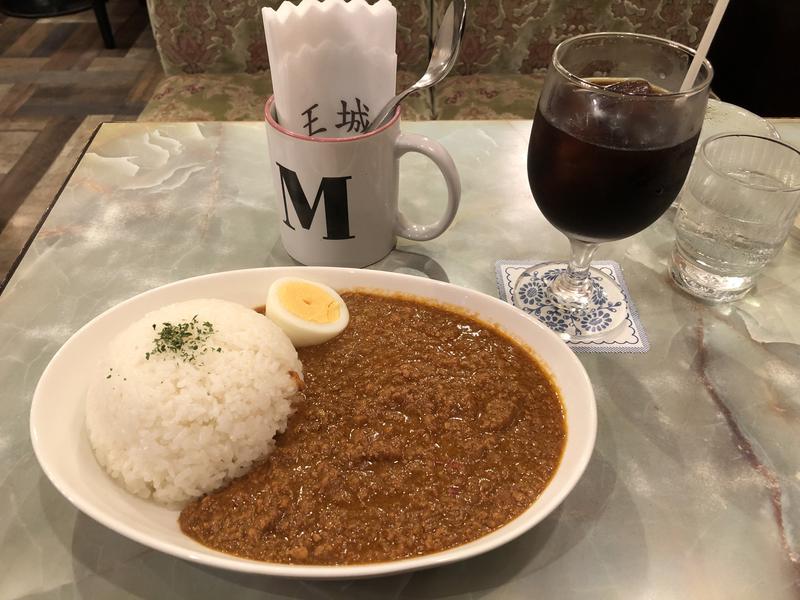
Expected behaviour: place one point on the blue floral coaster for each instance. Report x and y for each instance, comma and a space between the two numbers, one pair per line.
628, 337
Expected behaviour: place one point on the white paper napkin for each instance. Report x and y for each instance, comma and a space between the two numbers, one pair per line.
333, 64
314, 98
311, 21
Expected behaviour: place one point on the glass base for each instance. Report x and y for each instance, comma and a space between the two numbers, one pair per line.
703, 284
605, 311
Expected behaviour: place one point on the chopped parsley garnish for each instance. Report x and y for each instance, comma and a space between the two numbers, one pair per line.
186, 340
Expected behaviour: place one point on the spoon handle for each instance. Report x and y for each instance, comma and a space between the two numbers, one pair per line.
388, 110
443, 57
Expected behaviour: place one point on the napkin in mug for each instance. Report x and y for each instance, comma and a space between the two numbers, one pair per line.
333, 64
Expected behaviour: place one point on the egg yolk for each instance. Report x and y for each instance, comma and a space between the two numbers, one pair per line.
308, 302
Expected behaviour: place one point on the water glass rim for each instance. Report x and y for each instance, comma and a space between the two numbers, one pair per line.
754, 186
556, 63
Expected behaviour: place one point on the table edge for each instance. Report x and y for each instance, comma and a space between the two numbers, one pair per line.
7, 279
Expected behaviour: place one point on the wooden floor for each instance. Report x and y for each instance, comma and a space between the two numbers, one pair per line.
57, 84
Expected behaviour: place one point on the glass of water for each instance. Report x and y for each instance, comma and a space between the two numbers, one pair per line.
737, 208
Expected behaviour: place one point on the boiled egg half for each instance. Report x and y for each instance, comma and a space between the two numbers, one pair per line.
309, 313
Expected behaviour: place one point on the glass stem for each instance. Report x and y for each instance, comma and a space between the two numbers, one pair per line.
577, 274
572, 288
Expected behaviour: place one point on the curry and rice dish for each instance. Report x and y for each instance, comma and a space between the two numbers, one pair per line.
340, 430
418, 429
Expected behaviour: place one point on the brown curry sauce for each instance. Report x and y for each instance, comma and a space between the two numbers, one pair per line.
419, 429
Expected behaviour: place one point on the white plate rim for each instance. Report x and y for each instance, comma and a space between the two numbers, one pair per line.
209, 557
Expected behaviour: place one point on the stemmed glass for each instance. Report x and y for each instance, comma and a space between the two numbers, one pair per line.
612, 141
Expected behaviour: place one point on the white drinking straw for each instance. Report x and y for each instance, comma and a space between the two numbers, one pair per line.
705, 44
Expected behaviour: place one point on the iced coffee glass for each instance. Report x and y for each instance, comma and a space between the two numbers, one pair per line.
611, 143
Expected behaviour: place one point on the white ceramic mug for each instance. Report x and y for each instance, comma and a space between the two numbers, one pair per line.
337, 197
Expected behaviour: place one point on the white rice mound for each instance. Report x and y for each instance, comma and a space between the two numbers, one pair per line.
171, 429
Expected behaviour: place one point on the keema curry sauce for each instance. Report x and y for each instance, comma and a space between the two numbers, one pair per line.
419, 429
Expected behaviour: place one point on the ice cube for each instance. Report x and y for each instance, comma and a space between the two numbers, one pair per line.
633, 87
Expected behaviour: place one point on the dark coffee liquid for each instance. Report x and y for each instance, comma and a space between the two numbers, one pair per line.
599, 193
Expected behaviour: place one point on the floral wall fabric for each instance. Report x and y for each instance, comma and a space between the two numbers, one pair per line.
502, 36
220, 36
518, 36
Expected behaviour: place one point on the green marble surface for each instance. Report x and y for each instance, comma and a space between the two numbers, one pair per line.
694, 487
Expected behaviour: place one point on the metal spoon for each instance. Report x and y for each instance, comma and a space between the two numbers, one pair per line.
443, 57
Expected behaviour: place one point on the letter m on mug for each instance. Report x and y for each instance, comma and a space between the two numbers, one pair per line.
332, 191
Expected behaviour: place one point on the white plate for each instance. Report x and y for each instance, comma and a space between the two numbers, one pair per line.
62, 447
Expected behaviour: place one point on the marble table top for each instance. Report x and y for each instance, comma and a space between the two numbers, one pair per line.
693, 490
